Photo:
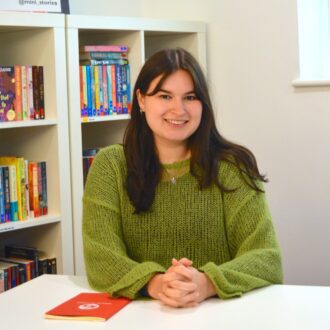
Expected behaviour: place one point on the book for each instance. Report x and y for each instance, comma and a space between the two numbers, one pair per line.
88, 306
103, 48
7, 93
18, 92
102, 56
23, 252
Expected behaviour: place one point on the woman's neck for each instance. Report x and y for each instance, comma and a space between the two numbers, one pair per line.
173, 154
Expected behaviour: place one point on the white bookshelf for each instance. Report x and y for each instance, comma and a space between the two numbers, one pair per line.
39, 39
143, 37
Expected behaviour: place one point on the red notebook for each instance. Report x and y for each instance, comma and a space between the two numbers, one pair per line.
88, 306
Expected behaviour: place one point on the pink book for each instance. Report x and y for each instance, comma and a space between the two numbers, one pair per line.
104, 48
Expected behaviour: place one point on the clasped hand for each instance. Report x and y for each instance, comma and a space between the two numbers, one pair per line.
181, 286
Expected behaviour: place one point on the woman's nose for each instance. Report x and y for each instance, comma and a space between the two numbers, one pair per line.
178, 105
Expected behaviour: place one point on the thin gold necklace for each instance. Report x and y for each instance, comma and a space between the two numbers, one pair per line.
172, 174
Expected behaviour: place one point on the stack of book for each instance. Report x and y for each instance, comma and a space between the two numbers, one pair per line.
104, 80
23, 189
21, 93
21, 264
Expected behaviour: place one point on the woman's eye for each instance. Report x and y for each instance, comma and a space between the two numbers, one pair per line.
164, 96
191, 97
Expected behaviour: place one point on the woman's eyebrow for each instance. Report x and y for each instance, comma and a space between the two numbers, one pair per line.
168, 92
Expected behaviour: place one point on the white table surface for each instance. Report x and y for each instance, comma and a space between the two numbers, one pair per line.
277, 307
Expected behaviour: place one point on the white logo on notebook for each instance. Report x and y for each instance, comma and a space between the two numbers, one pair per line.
89, 306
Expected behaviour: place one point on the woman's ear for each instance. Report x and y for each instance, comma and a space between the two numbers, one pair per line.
140, 98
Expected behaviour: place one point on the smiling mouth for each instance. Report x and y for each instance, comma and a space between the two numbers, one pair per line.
176, 122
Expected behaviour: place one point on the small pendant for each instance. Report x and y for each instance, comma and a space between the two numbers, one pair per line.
173, 180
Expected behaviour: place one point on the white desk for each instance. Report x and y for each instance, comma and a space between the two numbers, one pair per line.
277, 307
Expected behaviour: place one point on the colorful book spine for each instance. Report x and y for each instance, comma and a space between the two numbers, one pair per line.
105, 90
113, 89
33, 189
89, 91
103, 56
35, 80
100, 84
104, 48
124, 88
41, 92
5, 172
44, 187
96, 90
13, 192
41, 207
18, 92
109, 90
7, 93
104, 62
14, 186
93, 109
2, 198
22, 183
25, 109
119, 95
27, 197
30, 92
83, 91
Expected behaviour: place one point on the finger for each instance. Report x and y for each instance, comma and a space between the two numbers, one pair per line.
187, 300
185, 262
174, 293
182, 285
184, 271
172, 276
168, 301
175, 262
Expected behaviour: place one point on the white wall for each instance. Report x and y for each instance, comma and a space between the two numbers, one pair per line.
252, 59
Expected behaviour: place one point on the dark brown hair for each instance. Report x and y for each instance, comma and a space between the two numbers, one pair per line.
208, 148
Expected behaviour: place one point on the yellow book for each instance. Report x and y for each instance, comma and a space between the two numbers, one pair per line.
18, 162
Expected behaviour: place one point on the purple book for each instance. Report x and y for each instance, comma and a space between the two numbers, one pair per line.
7, 93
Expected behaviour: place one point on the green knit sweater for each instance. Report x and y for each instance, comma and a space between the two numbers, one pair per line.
228, 236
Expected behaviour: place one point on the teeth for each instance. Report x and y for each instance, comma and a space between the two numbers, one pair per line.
176, 122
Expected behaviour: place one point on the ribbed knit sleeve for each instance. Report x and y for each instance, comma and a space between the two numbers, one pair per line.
109, 268
255, 255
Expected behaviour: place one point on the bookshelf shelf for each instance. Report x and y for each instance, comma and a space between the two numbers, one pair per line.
104, 118
31, 222
39, 39
143, 38
28, 123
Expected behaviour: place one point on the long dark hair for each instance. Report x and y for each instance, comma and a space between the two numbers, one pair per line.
207, 147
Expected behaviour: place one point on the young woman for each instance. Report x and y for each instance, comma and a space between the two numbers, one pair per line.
177, 212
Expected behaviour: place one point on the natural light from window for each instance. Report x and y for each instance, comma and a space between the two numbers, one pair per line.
314, 39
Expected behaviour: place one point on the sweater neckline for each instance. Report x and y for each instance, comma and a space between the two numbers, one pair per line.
173, 171
176, 165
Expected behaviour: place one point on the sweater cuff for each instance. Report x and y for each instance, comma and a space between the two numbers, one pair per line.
219, 281
130, 285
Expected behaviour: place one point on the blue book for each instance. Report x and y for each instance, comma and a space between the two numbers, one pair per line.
2, 198
5, 179
89, 91
128, 84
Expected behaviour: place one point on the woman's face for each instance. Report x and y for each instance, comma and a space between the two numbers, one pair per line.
173, 113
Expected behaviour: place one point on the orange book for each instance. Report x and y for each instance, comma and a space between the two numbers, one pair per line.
88, 307
33, 189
